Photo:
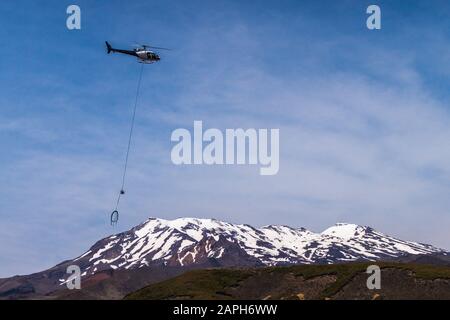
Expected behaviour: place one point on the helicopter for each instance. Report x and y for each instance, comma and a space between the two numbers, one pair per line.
142, 53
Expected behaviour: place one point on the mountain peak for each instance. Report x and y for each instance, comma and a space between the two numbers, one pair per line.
209, 242
345, 230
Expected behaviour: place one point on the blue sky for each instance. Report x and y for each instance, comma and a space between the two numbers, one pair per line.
363, 115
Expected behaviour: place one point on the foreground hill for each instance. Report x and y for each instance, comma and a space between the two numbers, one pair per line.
307, 282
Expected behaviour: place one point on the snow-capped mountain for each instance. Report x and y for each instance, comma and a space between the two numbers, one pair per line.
188, 242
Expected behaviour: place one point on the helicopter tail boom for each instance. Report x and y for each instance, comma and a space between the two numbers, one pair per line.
110, 49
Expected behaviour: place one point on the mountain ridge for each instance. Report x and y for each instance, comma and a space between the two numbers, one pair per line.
186, 241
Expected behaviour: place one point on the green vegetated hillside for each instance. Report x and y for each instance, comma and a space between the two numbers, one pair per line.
342, 281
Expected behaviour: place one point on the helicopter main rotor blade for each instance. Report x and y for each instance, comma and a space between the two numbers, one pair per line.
152, 47
158, 48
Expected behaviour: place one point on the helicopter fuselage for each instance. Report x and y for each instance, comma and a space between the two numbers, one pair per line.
147, 56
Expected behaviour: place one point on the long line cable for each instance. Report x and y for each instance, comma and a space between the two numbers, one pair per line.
115, 214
